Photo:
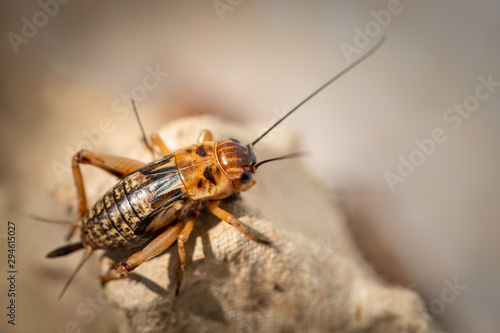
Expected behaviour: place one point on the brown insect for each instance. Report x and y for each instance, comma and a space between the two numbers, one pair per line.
153, 205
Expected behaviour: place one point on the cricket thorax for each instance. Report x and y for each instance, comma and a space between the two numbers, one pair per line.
202, 176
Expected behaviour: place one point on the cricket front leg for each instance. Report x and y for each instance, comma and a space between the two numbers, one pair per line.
159, 244
213, 206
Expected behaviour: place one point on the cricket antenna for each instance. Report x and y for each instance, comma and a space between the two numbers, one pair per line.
347, 69
142, 128
284, 157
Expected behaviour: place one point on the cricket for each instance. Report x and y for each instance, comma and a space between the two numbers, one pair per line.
152, 206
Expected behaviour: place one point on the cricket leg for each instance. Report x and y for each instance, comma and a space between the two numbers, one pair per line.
213, 206
157, 141
117, 166
181, 239
159, 244
205, 135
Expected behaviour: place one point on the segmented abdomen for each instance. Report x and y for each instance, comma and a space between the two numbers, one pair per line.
119, 218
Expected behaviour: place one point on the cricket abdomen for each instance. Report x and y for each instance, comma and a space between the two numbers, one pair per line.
125, 215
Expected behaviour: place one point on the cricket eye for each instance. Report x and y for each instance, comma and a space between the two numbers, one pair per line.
246, 177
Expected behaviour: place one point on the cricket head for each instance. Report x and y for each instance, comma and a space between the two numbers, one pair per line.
238, 162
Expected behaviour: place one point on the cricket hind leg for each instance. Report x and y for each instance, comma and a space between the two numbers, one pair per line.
115, 165
159, 244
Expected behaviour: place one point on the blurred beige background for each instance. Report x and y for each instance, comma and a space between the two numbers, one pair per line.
250, 61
